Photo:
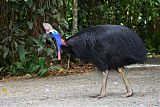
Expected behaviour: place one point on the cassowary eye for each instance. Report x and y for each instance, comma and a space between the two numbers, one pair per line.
54, 31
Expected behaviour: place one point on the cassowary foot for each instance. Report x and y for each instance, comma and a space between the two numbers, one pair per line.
98, 96
128, 94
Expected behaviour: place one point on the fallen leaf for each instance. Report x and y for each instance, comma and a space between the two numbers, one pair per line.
4, 90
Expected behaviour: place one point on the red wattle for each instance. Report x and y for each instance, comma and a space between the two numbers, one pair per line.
59, 55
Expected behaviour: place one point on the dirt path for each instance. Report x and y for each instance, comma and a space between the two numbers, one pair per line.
74, 90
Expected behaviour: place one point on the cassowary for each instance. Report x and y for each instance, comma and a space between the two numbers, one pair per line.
105, 46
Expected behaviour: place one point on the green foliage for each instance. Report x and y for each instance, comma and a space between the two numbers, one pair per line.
30, 65
30, 62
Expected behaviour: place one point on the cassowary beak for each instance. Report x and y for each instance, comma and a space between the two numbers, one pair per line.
47, 35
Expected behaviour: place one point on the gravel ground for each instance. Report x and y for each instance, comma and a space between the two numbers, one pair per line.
74, 90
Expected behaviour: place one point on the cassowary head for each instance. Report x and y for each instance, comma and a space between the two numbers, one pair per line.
56, 35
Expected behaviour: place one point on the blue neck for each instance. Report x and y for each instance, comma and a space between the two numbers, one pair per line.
58, 39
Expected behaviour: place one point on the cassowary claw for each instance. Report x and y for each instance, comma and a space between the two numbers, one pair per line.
128, 94
98, 96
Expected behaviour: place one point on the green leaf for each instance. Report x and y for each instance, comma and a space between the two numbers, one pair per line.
42, 62
34, 40
12, 1
40, 49
58, 68
13, 69
30, 3
25, 0
22, 52
1, 69
43, 72
30, 25
19, 65
34, 68
41, 11
6, 51
16, 45
70, 18
43, 66
50, 51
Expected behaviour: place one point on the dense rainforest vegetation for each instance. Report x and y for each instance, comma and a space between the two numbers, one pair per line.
22, 44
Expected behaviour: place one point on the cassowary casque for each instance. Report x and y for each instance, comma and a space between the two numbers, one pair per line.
105, 46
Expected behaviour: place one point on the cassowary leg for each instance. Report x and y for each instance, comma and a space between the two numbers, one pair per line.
103, 86
128, 88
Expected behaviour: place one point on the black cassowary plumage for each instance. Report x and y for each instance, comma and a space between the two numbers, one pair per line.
107, 46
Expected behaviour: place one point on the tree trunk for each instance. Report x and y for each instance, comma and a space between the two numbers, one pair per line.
75, 16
